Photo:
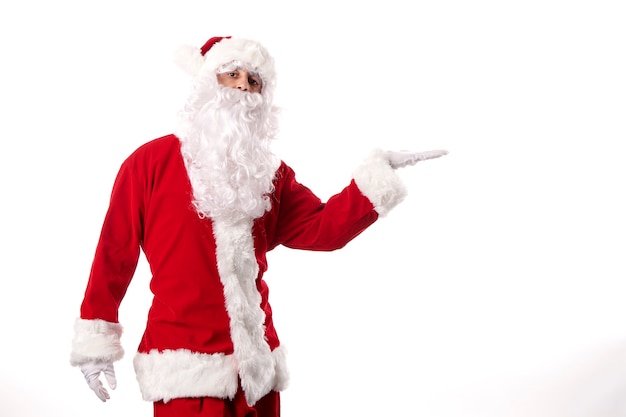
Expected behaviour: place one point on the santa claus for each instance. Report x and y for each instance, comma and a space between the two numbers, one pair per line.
205, 205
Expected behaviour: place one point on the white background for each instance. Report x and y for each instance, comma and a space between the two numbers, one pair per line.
496, 289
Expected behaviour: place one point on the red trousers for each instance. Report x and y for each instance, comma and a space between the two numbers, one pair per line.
268, 406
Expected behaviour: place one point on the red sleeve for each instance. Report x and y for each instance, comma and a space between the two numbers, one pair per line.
305, 222
117, 252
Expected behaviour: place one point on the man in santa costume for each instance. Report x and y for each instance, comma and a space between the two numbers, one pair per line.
205, 205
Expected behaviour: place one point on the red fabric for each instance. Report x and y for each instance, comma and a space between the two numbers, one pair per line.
268, 406
209, 44
150, 208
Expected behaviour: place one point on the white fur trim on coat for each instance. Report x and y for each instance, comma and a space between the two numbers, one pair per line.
182, 373
238, 270
96, 341
380, 183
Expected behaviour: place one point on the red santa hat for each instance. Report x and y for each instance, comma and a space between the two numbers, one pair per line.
219, 51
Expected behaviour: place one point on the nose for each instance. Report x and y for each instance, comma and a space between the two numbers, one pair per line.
243, 84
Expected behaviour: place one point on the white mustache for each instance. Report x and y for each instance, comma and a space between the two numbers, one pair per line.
247, 99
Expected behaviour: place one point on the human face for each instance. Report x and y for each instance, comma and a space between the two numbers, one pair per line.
241, 80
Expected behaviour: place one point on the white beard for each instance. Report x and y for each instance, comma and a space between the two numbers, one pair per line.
225, 142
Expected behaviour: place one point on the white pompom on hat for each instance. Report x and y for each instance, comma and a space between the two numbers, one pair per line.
219, 51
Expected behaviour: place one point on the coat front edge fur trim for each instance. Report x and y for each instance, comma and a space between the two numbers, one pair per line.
238, 271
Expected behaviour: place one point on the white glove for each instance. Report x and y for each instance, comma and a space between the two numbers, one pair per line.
400, 159
92, 371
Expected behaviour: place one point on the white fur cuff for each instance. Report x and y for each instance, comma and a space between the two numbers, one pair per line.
96, 340
380, 183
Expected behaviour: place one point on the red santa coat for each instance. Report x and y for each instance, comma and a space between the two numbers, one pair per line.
210, 324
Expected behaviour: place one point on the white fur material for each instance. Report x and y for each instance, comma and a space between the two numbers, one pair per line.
189, 59
238, 270
96, 341
249, 52
281, 380
182, 373
380, 183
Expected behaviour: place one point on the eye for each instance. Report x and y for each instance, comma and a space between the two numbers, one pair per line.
232, 74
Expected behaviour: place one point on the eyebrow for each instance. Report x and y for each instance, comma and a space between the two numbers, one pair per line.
238, 69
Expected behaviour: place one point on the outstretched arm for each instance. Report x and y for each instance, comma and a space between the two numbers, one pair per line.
307, 223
